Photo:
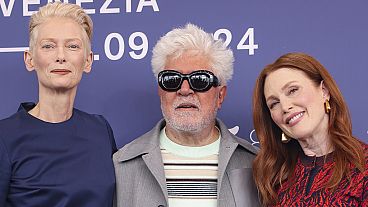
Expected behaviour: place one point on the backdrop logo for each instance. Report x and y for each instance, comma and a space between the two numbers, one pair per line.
108, 7
252, 135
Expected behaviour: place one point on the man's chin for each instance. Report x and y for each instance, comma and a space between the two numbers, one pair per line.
186, 114
188, 122
185, 125
187, 128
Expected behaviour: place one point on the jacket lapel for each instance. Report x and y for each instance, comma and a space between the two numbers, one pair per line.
153, 160
237, 179
148, 146
227, 148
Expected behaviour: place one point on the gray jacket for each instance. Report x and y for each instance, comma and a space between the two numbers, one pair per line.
140, 177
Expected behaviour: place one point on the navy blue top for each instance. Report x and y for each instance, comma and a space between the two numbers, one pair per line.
65, 164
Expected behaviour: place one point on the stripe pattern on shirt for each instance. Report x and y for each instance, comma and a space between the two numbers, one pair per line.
190, 178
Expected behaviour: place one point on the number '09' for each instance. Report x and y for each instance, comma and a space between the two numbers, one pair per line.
143, 47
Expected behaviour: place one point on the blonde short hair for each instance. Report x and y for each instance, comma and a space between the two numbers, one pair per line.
58, 9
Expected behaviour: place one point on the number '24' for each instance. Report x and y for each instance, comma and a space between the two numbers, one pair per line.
249, 35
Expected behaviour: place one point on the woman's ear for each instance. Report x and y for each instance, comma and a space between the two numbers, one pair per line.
28, 60
325, 91
89, 62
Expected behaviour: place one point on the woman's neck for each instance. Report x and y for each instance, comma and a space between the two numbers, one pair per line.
54, 107
316, 145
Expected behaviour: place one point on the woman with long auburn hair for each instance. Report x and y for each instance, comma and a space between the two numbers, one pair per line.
308, 155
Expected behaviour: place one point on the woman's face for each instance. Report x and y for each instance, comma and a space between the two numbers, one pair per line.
59, 55
296, 103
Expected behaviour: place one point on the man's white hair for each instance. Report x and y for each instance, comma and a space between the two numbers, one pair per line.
192, 38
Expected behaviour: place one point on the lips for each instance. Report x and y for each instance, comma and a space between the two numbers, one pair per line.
61, 71
186, 106
294, 118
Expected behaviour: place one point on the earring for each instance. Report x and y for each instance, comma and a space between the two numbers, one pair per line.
284, 138
327, 106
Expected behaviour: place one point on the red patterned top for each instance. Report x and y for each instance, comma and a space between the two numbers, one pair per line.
311, 173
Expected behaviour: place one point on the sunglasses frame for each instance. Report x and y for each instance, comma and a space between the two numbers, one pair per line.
213, 80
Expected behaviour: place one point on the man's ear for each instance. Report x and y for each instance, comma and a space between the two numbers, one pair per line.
89, 61
28, 60
221, 96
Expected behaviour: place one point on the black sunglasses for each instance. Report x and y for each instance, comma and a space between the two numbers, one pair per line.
199, 81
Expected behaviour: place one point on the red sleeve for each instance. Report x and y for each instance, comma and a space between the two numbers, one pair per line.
365, 179
365, 192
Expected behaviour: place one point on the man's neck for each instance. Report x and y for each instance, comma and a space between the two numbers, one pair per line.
193, 139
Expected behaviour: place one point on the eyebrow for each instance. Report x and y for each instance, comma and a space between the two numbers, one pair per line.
67, 40
271, 98
287, 84
283, 88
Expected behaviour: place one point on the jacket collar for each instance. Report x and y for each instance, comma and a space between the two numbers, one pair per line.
150, 142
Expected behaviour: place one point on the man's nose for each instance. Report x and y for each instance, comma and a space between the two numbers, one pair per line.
185, 89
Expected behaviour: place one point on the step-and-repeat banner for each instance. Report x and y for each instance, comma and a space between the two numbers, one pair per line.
122, 87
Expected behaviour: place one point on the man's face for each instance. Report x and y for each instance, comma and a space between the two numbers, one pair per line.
59, 54
185, 109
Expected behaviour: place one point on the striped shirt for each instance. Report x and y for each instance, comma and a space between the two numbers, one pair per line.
191, 173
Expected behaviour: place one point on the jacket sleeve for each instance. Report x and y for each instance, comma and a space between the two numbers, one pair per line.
5, 172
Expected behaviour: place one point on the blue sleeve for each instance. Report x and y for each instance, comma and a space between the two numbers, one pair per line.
111, 136
5, 172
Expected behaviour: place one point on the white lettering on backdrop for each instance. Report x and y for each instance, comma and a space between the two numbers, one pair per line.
106, 8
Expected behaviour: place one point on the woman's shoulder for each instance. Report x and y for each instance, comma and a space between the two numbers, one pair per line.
365, 147
83, 116
365, 166
365, 151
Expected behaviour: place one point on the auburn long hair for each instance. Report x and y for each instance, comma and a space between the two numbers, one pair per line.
276, 161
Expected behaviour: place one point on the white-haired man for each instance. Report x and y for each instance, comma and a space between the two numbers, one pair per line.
189, 158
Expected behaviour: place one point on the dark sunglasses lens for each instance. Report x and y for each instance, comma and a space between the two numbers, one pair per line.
200, 82
171, 81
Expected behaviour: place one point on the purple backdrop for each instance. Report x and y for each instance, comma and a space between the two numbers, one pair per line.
123, 89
